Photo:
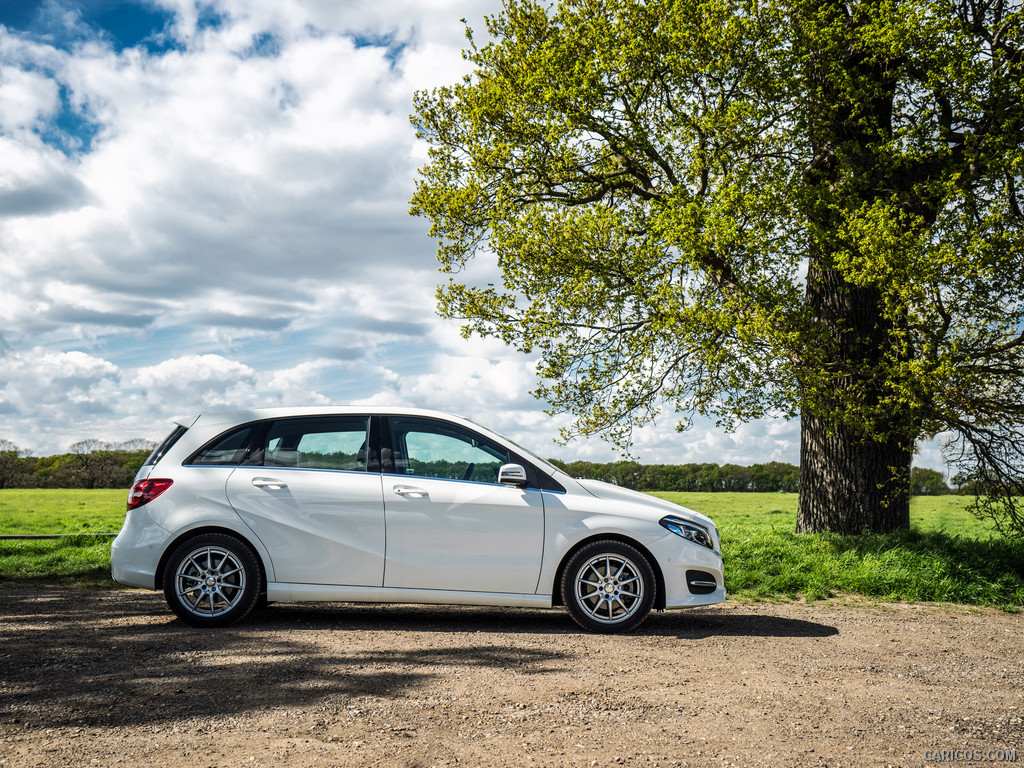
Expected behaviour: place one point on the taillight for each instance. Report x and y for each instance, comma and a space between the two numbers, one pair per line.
145, 491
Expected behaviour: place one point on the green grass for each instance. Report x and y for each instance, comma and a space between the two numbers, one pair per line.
61, 511
946, 556
79, 561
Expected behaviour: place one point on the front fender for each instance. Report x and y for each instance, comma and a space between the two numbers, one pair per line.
566, 531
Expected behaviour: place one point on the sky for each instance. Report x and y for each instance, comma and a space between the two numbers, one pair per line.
204, 204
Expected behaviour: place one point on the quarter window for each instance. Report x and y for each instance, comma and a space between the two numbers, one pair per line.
226, 450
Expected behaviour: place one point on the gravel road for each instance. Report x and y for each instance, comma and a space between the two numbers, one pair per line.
111, 679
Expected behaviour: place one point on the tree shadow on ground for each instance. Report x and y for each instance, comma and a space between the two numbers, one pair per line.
90, 659
907, 566
120, 658
930, 566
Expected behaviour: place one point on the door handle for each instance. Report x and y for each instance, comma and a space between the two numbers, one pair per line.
269, 482
408, 490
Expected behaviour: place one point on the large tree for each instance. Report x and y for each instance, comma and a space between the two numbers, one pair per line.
744, 208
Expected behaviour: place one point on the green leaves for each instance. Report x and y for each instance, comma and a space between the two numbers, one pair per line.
738, 208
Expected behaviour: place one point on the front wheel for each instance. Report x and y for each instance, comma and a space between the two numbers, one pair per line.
608, 586
213, 580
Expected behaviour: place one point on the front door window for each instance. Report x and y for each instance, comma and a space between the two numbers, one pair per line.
429, 448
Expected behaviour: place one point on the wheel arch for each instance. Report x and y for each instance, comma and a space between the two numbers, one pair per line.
193, 532
659, 578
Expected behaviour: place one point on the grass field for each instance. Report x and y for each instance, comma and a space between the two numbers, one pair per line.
61, 511
947, 556
79, 560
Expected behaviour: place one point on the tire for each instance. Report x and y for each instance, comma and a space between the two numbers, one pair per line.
213, 580
608, 586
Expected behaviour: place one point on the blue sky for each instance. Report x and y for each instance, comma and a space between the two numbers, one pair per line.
204, 204
119, 24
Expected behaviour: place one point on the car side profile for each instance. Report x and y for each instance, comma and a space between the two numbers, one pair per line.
358, 504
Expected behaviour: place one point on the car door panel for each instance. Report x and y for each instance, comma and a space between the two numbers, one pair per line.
322, 527
312, 494
447, 534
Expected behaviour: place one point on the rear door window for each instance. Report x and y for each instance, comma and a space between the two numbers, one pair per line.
334, 442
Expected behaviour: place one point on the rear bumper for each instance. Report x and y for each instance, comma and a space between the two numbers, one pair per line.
135, 553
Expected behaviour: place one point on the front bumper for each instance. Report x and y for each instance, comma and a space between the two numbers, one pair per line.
675, 556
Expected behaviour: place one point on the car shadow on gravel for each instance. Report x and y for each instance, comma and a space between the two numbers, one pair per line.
702, 623
693, 624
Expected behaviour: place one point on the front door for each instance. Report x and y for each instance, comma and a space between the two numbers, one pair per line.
450, 525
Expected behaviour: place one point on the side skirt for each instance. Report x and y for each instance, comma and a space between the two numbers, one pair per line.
280, 592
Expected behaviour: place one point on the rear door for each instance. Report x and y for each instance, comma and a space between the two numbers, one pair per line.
312, 493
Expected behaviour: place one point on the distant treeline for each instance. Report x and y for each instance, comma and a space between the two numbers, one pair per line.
87, 464
95, 464
773, 477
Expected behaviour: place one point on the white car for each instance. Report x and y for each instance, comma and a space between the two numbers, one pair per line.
397, 505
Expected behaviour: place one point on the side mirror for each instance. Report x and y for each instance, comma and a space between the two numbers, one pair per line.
512, 474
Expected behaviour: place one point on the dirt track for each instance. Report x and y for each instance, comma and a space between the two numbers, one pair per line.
110, 678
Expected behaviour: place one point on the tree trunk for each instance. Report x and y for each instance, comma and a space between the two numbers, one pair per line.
847, 484
856, 437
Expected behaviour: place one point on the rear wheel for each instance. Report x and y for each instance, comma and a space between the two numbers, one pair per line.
608, 586
213, 580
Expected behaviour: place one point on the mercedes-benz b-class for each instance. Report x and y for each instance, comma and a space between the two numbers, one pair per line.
398, 505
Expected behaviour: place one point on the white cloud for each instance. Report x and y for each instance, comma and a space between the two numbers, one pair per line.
298, 384
35, 180
215, 168
47, 393
472, 385
191, 371
27, 99
48, 368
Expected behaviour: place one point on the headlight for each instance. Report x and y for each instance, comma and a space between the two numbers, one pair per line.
698, 534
